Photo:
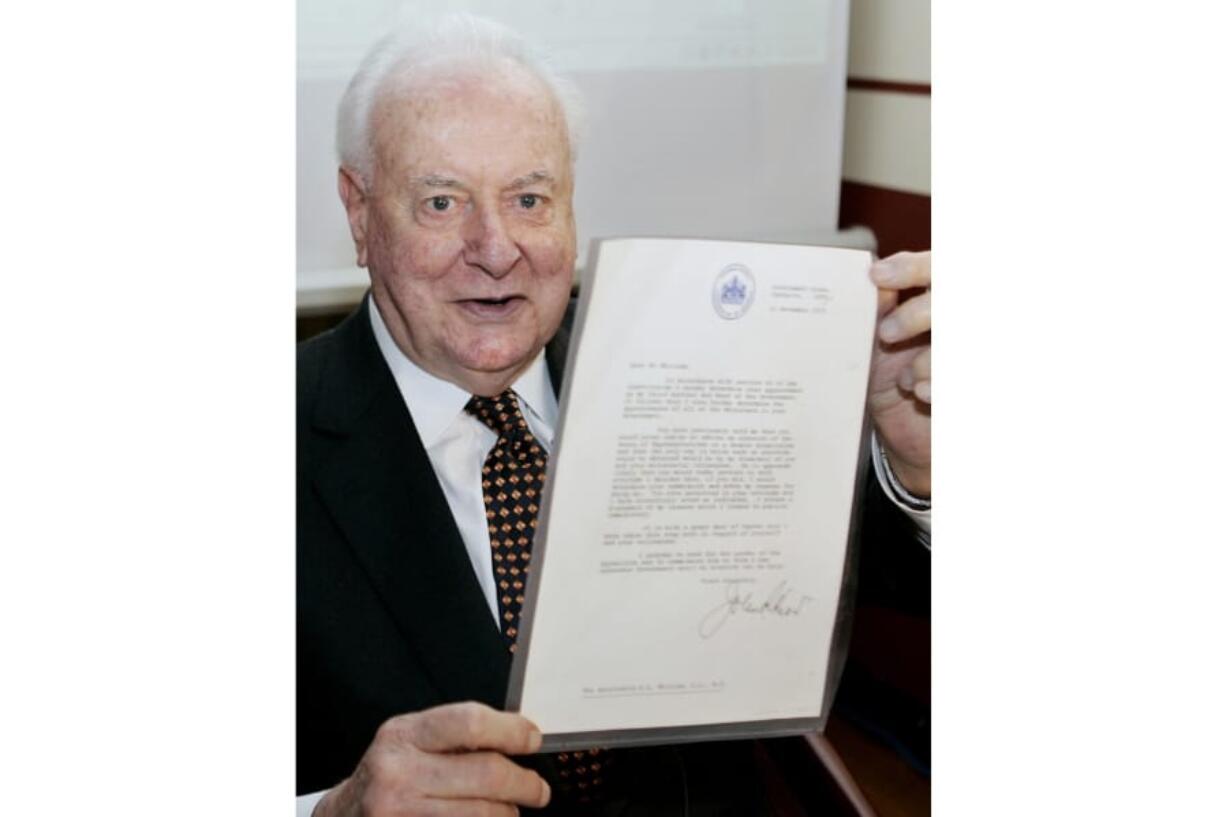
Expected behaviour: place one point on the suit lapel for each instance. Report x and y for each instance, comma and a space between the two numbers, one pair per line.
381, 490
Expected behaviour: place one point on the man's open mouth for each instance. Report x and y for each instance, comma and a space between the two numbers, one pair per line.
492, 307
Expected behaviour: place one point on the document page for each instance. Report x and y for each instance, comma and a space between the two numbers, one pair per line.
686, 578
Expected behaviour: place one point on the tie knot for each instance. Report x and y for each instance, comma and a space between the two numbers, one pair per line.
501, 413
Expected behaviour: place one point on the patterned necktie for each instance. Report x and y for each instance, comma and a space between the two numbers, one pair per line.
511, 484
512, 480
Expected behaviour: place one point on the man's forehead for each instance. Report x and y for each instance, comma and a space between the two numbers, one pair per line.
527, 180
439, 117
457, 91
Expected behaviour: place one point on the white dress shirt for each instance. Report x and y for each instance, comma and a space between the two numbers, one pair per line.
457, 444
920, 510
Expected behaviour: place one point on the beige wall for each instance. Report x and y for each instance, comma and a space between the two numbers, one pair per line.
887, 139
890, 40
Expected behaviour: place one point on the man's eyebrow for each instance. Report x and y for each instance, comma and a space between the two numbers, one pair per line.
434, 180
531, 179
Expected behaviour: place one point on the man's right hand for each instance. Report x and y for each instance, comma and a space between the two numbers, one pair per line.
449, 760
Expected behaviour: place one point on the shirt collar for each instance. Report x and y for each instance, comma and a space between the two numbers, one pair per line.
434, 403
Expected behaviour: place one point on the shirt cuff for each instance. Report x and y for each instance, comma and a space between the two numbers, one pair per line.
919, 509
307, 802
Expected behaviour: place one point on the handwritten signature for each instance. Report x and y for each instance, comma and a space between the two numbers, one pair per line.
782, 602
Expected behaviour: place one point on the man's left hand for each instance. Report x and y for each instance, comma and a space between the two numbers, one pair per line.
900, 387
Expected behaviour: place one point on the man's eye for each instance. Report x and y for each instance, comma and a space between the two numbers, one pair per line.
529, 200
441, 203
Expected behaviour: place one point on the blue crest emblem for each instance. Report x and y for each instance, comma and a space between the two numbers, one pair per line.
733, 292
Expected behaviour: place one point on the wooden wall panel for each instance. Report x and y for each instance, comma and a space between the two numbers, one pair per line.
901, 221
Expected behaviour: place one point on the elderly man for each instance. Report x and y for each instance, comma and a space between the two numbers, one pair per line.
456, 176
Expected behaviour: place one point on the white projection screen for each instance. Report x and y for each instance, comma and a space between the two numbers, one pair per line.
706, 118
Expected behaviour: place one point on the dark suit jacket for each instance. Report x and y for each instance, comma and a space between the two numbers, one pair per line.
390, 616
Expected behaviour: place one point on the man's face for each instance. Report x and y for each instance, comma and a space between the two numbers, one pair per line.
467, 227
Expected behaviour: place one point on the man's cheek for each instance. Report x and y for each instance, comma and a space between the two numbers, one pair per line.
425, 261
556, 259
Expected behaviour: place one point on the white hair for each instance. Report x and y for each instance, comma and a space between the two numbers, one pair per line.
457, 41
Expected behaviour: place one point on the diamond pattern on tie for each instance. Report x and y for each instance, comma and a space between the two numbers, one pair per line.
511, 481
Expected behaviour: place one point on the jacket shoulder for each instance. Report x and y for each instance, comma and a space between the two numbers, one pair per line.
313, 356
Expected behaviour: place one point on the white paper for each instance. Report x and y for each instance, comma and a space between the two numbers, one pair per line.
697, 511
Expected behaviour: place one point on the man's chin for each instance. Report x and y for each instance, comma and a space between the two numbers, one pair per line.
502, 362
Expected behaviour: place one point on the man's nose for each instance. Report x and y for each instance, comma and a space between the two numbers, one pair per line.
488, 244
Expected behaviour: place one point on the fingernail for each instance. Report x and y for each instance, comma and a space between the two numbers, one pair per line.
906, 379
924, 391
890, 329
534, 740
548, 793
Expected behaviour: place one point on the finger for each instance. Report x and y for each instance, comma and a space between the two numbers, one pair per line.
922, 389
887, 299
917, 377
921, 368
903, 270
912, 318
470, 726
485, 776
463, 808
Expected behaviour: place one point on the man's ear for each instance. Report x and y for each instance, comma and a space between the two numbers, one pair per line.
353, 194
